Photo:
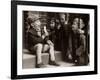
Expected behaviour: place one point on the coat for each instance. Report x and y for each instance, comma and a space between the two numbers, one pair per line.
34, 39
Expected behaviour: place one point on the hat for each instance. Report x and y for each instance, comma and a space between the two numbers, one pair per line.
33, 16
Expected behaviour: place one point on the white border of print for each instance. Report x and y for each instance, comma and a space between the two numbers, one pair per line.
21, 71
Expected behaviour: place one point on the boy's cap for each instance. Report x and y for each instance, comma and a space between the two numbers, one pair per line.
33, 16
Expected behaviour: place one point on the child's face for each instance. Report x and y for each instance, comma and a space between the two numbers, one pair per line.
78, 23
81, 24
62, 18
52, 24
75, 24
36, 24
76, 20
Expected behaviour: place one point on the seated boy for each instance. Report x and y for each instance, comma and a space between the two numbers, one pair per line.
39, 42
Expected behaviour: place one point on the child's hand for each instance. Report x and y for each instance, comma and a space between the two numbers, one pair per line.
50, 43
45, 31
80, 31
39, 33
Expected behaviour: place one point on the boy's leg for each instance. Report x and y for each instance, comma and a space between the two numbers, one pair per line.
85, 53
45, 48
49, 48
52, 56
51, 52
38, 48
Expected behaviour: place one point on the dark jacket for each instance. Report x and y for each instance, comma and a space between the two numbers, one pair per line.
34, 39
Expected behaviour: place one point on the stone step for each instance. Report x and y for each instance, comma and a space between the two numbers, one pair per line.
29, 60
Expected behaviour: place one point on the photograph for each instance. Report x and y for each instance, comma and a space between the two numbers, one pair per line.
53, 39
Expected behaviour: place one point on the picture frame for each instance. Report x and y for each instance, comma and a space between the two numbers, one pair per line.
18, 9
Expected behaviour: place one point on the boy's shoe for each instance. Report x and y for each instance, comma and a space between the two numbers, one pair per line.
41, 65
53, 63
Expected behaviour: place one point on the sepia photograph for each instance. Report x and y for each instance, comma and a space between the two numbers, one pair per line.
53, 39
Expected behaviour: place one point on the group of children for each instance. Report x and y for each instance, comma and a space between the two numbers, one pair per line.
41, 39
